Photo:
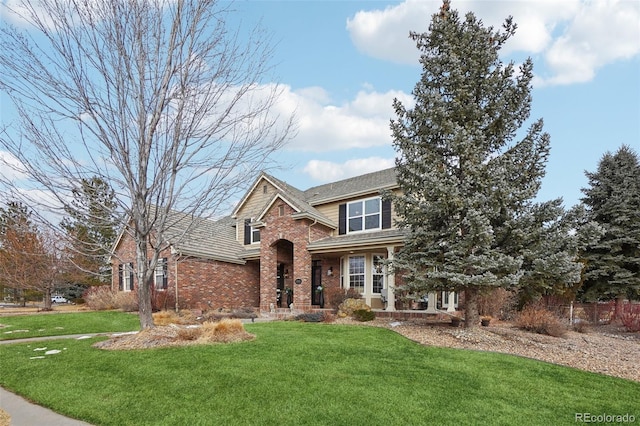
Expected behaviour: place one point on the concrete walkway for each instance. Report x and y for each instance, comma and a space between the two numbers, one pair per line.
24, 413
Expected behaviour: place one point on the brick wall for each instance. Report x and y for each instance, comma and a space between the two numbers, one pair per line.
297, 231
210, 284
202, 284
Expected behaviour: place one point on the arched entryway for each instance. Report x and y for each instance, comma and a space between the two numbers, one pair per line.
284, 273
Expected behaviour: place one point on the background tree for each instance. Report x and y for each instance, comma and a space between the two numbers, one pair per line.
25, 264
467, 184
91, 231
551, 266
613, 201
158, 98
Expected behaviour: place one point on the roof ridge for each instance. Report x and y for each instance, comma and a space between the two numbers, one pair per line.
352, 178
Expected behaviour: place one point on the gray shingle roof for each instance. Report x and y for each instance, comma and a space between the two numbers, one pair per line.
207, 239
217, 239
352, 187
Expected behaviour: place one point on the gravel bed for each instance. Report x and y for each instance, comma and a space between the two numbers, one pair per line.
606, 350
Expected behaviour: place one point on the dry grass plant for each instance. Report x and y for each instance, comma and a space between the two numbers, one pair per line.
5, 418
541, 321
127, 301
100, 298
224, 331
171, 317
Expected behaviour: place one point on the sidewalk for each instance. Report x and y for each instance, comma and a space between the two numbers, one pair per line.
24, 413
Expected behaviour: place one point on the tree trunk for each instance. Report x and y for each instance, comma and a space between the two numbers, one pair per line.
471, 314
144, 286
619, 307
47, 300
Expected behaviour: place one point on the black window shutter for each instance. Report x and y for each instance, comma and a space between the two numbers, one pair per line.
247, 231
131, 276
342, 219
165, 272
386, 214
120, 277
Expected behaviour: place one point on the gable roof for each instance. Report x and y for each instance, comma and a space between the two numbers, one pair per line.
352, 187
216, 239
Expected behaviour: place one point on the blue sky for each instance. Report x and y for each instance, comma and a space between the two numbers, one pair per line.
341, 63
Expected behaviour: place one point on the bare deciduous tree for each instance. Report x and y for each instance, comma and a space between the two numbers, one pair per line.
157, 97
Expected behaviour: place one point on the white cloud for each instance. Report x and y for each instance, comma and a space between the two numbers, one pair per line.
601, 32
575, 37
12, 169
324, 126
327, 171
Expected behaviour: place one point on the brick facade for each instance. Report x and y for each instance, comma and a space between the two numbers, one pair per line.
249, 271
281, 228
210, 284
202, 284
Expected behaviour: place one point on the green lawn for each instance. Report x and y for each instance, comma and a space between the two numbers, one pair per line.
24, 326
308, 374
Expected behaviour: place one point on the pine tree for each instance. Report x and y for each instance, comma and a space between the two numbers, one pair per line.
467, 184
613, 201
91, 231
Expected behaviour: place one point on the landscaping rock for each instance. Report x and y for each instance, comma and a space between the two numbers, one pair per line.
347, 307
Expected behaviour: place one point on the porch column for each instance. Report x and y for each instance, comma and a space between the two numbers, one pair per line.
433, 303
391, 282
452, 302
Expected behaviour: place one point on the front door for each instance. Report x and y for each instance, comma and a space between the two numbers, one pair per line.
280, 284
316, 281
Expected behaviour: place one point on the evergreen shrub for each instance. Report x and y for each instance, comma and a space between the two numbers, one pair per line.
363, 315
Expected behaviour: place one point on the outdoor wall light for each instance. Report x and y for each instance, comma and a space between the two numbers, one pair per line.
330, 271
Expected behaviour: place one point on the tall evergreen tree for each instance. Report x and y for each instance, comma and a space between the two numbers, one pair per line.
613, 201
467, 184
91, 231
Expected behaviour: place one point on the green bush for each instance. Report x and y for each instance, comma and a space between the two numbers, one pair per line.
363, 315
310, 317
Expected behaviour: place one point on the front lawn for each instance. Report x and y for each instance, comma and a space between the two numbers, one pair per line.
308, 374
59, 324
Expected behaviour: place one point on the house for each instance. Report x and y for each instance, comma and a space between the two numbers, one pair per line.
281, 240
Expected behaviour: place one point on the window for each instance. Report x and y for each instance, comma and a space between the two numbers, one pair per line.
255, 235
160, 276
251, 234
368, 214
125, 277
445, 299
378, 273
356, 273
364, 215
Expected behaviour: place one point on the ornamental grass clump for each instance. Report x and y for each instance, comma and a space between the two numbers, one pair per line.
541, 321
100, 298
224, 331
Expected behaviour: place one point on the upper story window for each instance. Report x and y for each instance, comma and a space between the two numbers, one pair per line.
251, 233
364, 215
369, 214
